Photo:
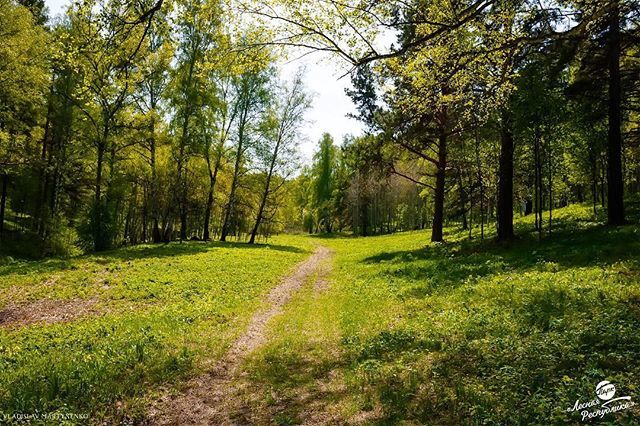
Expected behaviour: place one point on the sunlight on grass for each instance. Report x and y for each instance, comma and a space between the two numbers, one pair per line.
164, 310
448, 333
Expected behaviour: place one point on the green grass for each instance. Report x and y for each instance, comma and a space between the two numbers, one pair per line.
166, 311
464, 332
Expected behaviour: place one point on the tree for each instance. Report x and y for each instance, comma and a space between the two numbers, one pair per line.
149, 94
37, 8
127, 117
350, 30
615, 202
23, 78
223, 116
500, 31
198, 26
325, 162
253, 94
504, 225
434, 88
278, 149
105, 56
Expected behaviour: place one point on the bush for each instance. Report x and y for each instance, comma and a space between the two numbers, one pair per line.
98, 230
61, 239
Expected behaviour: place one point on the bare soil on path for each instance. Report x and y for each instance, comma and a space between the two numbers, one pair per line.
211, 399
46, 311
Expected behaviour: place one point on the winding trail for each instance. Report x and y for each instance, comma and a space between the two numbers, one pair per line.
209, 399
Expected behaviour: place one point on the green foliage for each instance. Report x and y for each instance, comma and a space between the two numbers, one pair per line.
99, 229
61, 239
325, 161
23, 78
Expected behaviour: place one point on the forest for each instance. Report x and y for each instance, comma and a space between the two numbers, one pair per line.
152, 169
132, 122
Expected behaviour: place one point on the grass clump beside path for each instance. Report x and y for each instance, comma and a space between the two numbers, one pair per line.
465, 332
157, 312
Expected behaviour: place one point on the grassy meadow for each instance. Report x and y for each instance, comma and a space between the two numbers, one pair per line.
158, 313
462, 332
465, 332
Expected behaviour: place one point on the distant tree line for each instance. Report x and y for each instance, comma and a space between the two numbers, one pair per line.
344, 191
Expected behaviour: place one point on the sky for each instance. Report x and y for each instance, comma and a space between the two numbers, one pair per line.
330, 105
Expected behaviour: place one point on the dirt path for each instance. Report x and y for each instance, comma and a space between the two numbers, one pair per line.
46, 311
209, 399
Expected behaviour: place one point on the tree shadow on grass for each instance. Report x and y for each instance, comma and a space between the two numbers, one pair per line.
36, 266
332, 235
297, 383
135, 253
450, 264
191, 247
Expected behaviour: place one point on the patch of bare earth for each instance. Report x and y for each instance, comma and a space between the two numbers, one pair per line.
216, 398
46, 311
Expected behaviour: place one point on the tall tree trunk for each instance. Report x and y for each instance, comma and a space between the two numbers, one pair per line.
463, 200
207, 214
472, 204
227, 213
242, 123
127, 225
539, 197
3, 202
471, 207
263, 203
156, 235
98, 242
438, 211
505, 182
594, 183
145, 213
615, 202
603, 181
363, 203
167, 232
537, 188
212, 184
183, 220
60, 141
265, 194
43, 178
481, 184
182, 187
550, 183
182, 162
232, 193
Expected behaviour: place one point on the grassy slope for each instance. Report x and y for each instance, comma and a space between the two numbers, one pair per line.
166, 309
463, 332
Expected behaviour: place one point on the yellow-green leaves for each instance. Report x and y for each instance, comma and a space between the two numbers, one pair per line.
23, 78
